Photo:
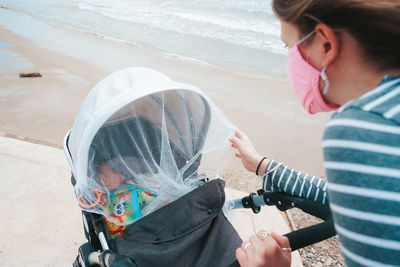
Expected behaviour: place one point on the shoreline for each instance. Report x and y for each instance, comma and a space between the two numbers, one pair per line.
242, 52
43, 109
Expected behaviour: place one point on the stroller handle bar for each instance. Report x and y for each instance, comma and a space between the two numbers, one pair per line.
302, 237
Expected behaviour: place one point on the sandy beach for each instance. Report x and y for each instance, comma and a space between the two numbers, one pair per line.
43, 109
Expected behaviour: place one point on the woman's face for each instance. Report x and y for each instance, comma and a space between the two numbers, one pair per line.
315, 52
341, 55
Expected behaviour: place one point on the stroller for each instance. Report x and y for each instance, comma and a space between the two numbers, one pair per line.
145, 153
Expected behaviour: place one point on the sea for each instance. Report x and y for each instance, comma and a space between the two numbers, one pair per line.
240, 36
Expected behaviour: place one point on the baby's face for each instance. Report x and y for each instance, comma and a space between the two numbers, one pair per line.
108, 177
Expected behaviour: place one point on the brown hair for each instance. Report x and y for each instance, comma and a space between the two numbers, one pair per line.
375, 24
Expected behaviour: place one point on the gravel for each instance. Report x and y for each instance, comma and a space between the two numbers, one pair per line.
326, 253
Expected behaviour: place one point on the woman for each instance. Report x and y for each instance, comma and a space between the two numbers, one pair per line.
343, 55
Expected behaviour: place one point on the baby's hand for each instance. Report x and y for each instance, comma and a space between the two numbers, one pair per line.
246, 152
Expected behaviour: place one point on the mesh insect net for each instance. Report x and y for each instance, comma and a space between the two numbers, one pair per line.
142, 141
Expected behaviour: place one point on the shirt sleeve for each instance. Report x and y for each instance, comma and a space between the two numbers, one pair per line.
281, 178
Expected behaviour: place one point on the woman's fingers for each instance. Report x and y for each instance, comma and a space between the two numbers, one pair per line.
283, 242
234, 143
247, 245
245, 150
256, 241
241, 256
239, 134
280, 241
246, 253
240, 140
264, 249
235, 140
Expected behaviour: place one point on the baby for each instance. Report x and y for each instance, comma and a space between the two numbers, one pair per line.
124, 202
108, 177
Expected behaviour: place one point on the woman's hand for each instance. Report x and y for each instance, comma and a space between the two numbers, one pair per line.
265, 249
247, 153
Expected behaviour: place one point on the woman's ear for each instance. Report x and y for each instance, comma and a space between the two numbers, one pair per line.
330, 43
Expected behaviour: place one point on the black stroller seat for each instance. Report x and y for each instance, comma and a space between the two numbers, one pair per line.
197, 233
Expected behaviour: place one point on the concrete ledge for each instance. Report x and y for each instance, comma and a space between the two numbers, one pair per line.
41, 224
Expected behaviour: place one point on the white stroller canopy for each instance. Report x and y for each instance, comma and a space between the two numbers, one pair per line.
139, 127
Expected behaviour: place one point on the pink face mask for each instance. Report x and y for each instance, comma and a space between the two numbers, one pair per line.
305, 80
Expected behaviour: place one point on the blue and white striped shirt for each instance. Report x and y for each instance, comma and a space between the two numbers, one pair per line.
362, 159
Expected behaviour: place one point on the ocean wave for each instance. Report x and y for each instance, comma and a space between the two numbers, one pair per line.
252, 33
192, 60
257, 26
139, 12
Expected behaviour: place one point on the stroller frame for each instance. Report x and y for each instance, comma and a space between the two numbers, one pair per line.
98, 251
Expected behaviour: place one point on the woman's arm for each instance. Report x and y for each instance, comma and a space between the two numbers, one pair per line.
247, 153
278, 176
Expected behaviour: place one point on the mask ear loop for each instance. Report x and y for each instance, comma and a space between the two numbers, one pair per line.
325, 78
305, 37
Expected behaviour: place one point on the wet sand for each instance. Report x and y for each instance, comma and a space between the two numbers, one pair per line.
43, 109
